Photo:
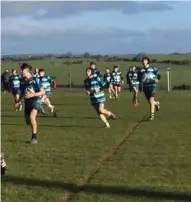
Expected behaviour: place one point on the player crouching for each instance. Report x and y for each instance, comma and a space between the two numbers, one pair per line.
47, 81
94, 88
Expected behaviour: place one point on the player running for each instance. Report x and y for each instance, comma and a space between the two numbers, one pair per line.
117, 81
15, 81
133, 81
94, 88
47, 81
32, 90
150, 76
96, 72
108, 81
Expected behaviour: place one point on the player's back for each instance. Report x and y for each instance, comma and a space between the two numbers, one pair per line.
46, 82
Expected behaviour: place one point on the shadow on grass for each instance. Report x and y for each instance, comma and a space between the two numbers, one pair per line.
100, 189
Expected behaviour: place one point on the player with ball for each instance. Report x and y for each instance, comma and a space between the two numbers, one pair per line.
32, 91
149, 77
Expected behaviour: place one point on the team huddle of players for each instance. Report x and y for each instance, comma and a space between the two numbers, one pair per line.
144, 79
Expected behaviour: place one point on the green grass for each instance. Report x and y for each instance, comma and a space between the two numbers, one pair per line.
180, 74
155, 158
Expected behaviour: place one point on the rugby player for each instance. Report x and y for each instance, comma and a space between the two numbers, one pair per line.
117, 81
94, 88
46, 82
149, 78
32, 91
15, 80
108, 81
133, 81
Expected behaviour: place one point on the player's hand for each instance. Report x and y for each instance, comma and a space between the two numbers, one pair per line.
88, 92
156, 80
122, 82
97, 90
29, 95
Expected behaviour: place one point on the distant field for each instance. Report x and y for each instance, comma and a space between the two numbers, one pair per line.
134, 161
180, 74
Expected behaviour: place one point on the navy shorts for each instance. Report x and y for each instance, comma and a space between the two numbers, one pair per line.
15, 91
149, 92
48, 93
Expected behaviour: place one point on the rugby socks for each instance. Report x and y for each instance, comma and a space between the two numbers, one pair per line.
34, 136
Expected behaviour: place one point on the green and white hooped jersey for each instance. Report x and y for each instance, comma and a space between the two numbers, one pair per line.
148, 76
117, 77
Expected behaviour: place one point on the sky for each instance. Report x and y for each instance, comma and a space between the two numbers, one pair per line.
97, 27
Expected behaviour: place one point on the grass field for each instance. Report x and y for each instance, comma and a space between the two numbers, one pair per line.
179, 74
76, 159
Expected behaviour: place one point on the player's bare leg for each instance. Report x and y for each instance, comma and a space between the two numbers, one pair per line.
116, 92
154, 105
33, 123
135, 95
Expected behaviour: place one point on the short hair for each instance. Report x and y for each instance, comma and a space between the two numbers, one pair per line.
14, 70
107, 68
114, 67
25, 66
92, 63
41, 70
146, 58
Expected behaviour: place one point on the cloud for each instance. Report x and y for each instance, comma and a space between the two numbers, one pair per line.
64, 9
99, 40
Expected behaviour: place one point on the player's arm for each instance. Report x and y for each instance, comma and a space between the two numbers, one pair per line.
128, 78
100, 82
122, 82
104, 77
41, 91
98, 73
158, 75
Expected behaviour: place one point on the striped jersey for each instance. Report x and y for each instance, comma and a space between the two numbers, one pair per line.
117, 77
108, 77
36, 75
96, 72
46, 82
15, 81
31, 85
148, 76
91, 84
132, 77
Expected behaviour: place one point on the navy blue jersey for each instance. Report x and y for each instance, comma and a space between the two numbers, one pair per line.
96, 72
31, 85
108, 77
